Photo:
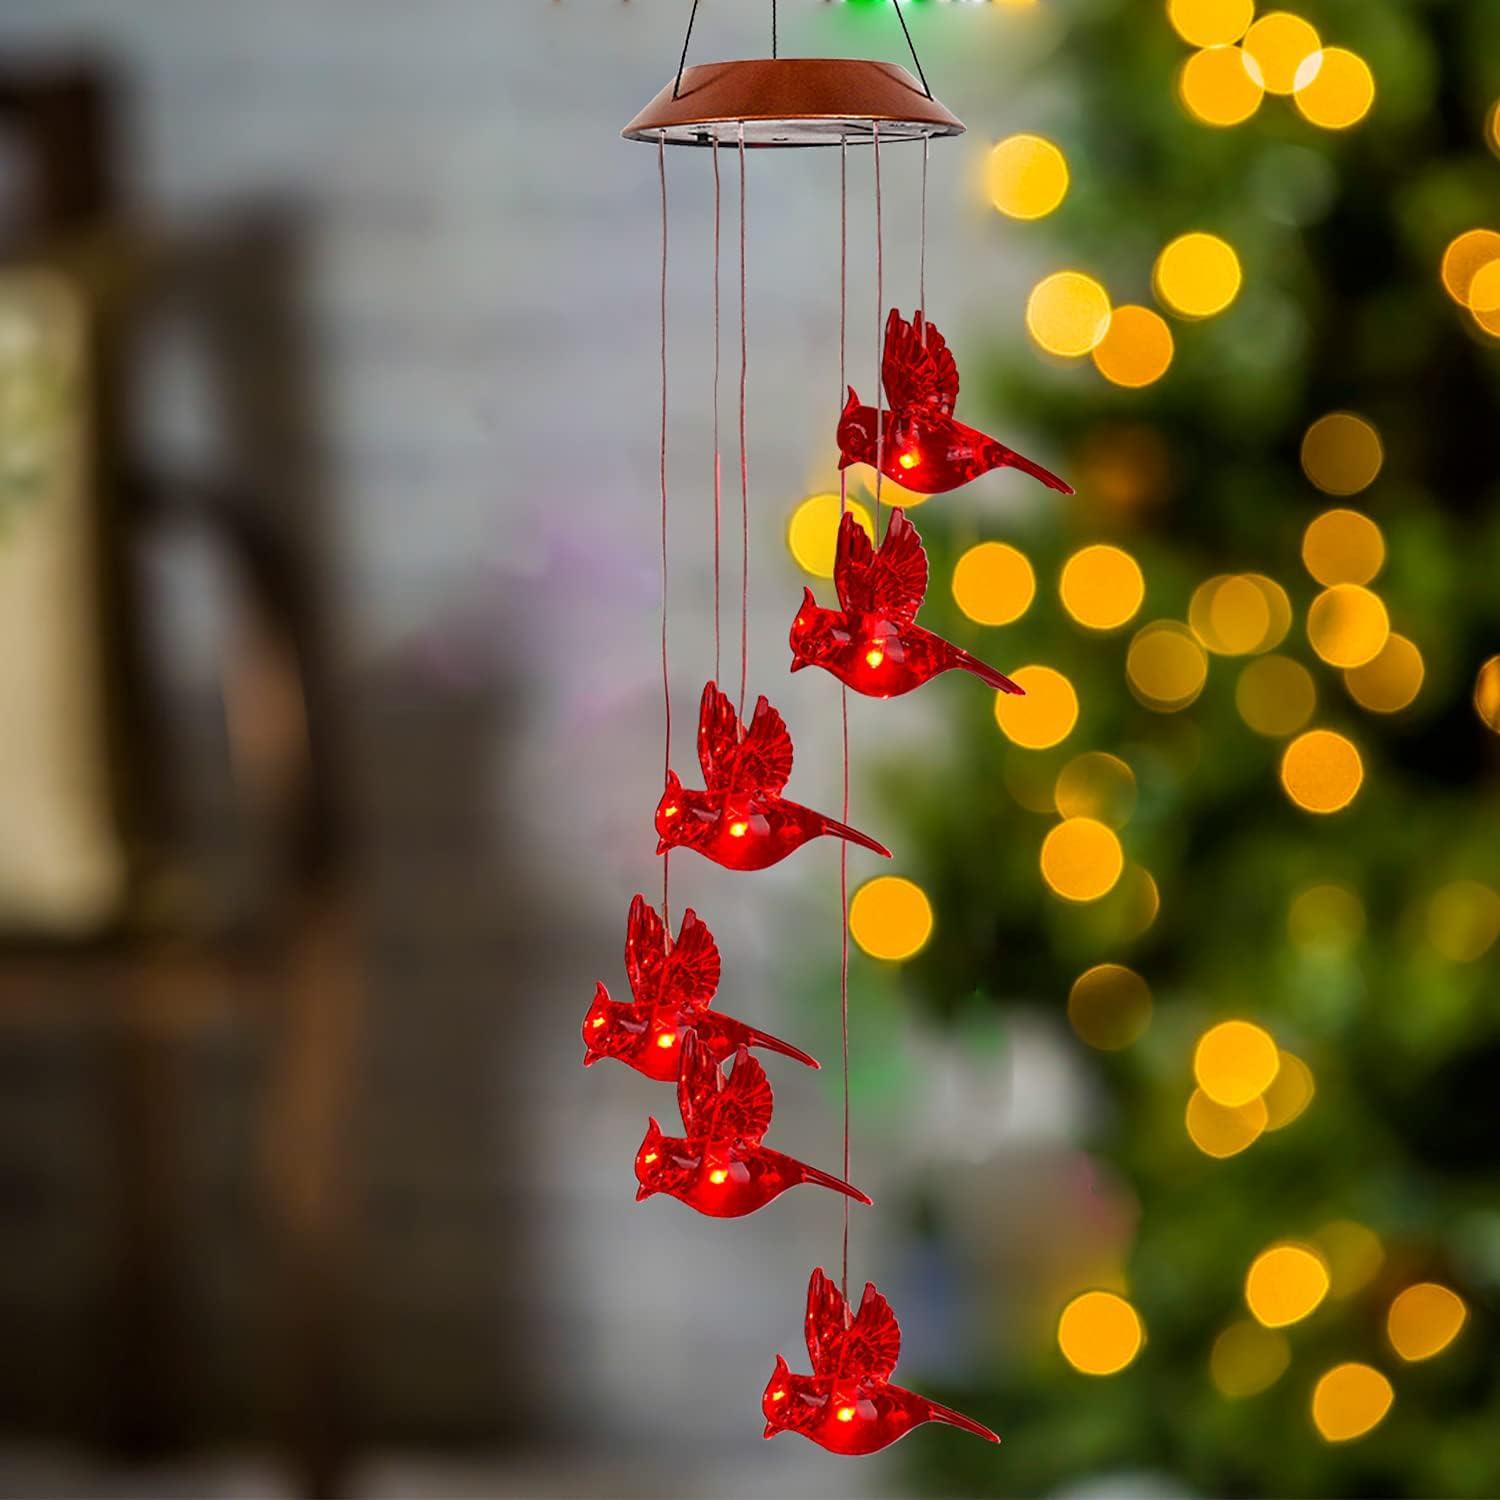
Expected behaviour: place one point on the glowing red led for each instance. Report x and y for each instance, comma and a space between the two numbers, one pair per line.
740, 819
848, 1404
674, 986
718, 1165
921, 445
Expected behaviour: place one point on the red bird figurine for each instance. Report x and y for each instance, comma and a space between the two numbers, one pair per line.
848, 1405
922, 447
872, 642
718, 1164
674, 986
742, 821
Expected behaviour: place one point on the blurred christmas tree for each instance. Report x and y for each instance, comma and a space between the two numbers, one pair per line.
1249, 783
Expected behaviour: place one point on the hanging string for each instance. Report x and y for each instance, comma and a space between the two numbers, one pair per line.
879, 333
666, 692
718, 456
844, 706
744, 454
922, 242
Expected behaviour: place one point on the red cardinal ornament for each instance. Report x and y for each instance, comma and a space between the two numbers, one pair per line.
718, 1164
873, 642
742, 821
922, 447
848, 1404
674, 986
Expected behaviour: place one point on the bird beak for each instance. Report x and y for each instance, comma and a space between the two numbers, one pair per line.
662, 846
642, 1193
798, 664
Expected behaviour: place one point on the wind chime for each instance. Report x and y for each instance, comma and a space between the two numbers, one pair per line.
739, 817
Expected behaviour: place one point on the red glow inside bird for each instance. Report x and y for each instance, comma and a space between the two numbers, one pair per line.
718, 1164
674, 986
848, 1404
921, 445
739, 819
872, 642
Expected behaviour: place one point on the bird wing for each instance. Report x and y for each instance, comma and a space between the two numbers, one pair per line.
765, 754
699, 1084
645, 950
744, 1106
899, 577
853, 560
873, 1343
718, 737
692, 967
917, 366
826, 1312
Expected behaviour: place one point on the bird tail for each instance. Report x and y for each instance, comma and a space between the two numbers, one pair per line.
854, 836
775, 1044
821, 1178
987, 674
1019, 461
953, 1418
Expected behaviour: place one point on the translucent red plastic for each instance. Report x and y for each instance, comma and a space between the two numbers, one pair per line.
848, 1404
740, 819
872, 642
718, 1164
674, 986
923, 447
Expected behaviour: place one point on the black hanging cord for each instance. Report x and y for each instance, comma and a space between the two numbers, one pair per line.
912, 46
773, 28
682, 61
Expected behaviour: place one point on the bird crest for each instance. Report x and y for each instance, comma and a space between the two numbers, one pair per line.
661, 972
867, 1345
891, 581
736, 759
716, 1107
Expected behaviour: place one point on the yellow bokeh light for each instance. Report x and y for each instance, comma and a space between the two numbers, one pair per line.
1467, 254
993, 583
1343, 546
1353, 1254
1027, 176
1342, 453
1484, 298
1197, 275
1165, 667
1281, 42
1029, 779
1389, 681
1348, 625
1424, 1320
1220, 86
1325, 916
1219, 1130
1136, 349
1349, 1400
1248, 1359
1082, 859
1096, 785
1276, 696
1099, 1333
1210, 23
1234, 1062
1487, 693
1334, 88
1278, 605
1463, 920
1321, 771
1044, 715
1102, 587
1492, 128
812, 533
890, 917
1067, 313
1109, 1007
1289, 1092
1231, 614
1284, 1284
